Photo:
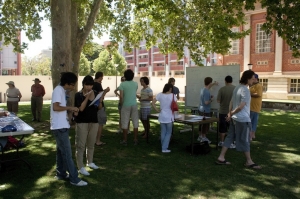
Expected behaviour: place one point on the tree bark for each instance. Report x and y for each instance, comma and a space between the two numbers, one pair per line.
61, 38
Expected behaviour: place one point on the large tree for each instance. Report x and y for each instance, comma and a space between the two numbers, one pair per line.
203, 26
38, 65
110, 63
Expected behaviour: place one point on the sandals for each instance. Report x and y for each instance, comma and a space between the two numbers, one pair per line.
101, 144
219, 162
253, 166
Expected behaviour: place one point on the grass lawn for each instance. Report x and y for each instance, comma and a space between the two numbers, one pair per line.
144, 172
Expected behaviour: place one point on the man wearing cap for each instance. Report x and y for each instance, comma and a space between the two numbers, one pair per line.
38, 92
13, 97
256, 91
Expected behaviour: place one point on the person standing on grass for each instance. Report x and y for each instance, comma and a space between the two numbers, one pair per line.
175, 89
204, 108
101, 115
224, 97
166, 117
13, 97
86, 125
129, 106
60, 128
256, 91
145, 107
119, 109
240, 122
38, 92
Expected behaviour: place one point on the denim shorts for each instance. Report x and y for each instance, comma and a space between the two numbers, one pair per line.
254, 120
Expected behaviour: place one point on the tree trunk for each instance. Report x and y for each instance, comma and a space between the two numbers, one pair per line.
61, 36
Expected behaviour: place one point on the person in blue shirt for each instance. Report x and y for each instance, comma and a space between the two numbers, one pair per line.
204, 107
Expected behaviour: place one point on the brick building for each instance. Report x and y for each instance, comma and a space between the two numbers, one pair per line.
10, 61
271, 57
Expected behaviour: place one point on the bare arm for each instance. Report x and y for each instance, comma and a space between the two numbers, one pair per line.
57, 107
154, 105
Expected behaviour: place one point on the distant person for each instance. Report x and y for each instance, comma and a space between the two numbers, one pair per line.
102, 118
119, 109
60, 129
204, 107
256, 91
224, 97
175, 89
13, 97
240, 122
86, 125
166, 118
38, 92
129, 109
145, 106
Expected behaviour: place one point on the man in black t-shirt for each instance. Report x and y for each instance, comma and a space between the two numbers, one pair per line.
101, 115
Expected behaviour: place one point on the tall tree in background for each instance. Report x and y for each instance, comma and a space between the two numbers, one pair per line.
38, 65
84, 66
106, 63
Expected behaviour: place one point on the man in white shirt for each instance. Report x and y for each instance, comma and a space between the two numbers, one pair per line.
60, 129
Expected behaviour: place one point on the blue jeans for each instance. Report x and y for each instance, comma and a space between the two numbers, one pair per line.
64, 161
166, 132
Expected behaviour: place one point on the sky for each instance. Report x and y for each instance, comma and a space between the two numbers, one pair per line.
34, 48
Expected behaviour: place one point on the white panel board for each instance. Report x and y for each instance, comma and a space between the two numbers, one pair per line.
195, 81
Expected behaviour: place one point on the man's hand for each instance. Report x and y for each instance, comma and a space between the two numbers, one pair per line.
73, 109
107, 90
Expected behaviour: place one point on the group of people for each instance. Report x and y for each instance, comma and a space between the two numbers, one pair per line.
238, 114
14, 96
90, 118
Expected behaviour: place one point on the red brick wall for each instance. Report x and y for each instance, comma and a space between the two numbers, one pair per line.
286, 59
268, 56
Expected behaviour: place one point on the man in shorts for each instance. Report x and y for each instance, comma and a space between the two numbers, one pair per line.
129, 106
256, 91
145, 107
240, 122
101, 114
224, 97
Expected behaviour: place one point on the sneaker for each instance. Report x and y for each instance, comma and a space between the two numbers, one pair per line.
205, 139
67, 177
220, 143
166, 151
232, 146
83, 171
92, 166
199, 138
80, 183
123, 142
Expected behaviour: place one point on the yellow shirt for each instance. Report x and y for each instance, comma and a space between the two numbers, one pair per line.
256, 102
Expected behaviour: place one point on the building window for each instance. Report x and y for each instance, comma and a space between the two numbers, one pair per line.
235, 44
142, 48
160, 64
180, 63
15, 62
179, 72
142, 65
161, 73
263, 41
128, 66
295, 86
143, 56
128, 58
264, 83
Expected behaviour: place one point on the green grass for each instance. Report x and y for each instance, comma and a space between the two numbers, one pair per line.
144, 172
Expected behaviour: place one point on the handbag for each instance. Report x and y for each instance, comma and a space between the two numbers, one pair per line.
174, 106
